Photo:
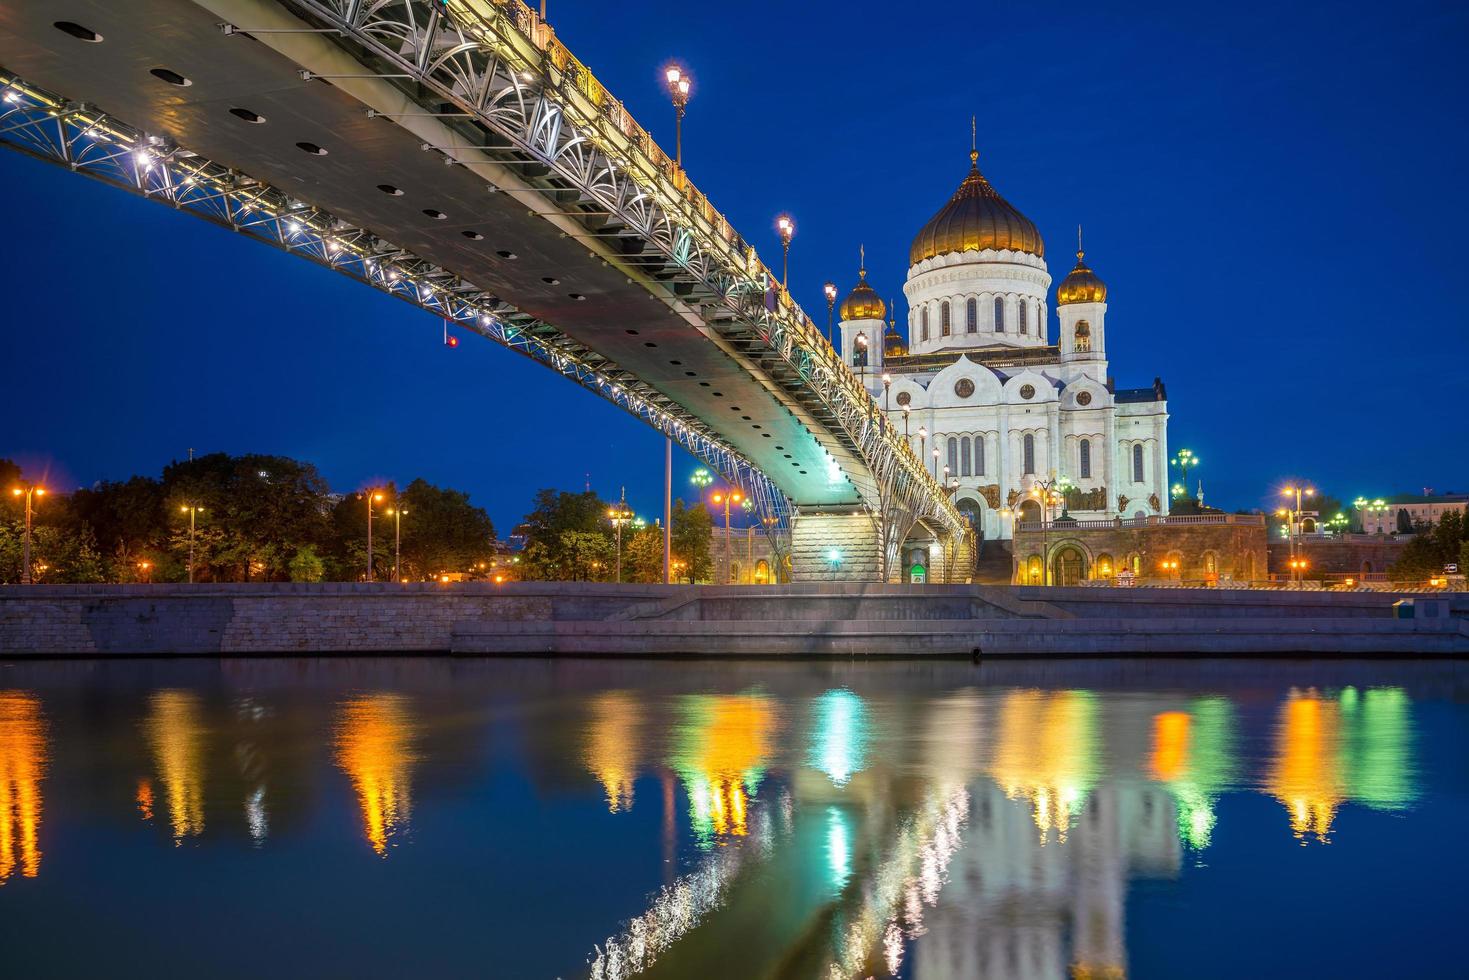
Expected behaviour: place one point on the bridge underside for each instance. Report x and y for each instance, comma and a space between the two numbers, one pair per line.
457, 195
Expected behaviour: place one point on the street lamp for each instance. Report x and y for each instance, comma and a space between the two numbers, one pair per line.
29, 491
923, 445
619, 515
1185, 460
935, 458
701, 478
725, 498
396, 513
786, 227
1169, 567
1294, 516
193, 510
1049, 493
887, 384
1365, 506
830, 289
372, 497
678, 90
861, 344
144, 571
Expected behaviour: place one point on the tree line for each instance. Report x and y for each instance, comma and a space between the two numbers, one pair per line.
258, 518
262, 518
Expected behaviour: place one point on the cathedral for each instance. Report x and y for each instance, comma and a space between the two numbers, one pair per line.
991, 404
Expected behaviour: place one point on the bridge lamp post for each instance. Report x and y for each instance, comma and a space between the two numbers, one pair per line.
372, 497
935, 458
786, 227
887, 387
193, 511
29, 491
619, 515
396, 513
861, 345
905, 424
923, 445
726, 498
678, 90
830, 290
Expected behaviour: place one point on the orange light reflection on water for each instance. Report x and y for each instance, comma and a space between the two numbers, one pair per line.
175, 732
22, 767
375, 749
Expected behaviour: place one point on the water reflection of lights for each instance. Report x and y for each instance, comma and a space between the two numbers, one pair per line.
1046, 754
721, 746
144, 798
22, 767
683, 905
838, 847
839, 735
176, 733
375, 750
892, 898
612, 745
1193, 754
1331, 750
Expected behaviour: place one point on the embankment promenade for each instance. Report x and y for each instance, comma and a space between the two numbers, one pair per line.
811, 619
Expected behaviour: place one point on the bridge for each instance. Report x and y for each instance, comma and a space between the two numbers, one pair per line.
456, 155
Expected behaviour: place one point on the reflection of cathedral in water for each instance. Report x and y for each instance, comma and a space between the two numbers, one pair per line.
1014, 899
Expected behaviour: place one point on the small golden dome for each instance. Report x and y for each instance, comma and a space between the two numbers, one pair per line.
1081, 286
976, 218
893, 344
862, 303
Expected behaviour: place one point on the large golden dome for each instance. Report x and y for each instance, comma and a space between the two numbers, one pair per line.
1081, 286
862, 303
976, 218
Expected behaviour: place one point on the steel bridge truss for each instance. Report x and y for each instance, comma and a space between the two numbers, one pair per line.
44, 125
518, 95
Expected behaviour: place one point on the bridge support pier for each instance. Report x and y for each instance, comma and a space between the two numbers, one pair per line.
835, 546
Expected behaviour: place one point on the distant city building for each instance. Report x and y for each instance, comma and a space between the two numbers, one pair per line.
1003, 405
1420, 508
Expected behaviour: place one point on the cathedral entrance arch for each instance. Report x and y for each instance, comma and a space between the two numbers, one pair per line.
1029, 511
1068, 567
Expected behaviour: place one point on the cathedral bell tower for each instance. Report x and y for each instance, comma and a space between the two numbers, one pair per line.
1081, 304
862, 315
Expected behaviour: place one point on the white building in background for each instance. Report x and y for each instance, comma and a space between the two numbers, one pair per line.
1004, 406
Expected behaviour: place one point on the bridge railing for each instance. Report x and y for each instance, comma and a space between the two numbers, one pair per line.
622, 135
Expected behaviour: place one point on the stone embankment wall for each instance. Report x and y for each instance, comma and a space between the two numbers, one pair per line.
586, 619
1352, 554
1238, 550
281, 618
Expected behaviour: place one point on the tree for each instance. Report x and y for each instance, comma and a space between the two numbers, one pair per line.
586, 556
1426, 555
693, 531
306, 565
442, 531
551, 555
642, 555
1405, 523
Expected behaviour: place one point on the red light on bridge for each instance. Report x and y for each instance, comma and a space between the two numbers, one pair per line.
452, 342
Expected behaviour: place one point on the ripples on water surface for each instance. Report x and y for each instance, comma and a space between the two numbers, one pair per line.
559, 819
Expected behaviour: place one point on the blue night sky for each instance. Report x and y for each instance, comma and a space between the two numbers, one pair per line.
1272, 192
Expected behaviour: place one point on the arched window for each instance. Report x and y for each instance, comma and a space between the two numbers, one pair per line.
953, 455
1086, 459
979, 455
1028, 454
999, 314
966, 460
1137, 463
1024, 317
1083, 337
972, 513
971, 316
944, 318
924, 318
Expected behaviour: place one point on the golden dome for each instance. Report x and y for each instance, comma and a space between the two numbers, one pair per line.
893, 344
862, 303
976, 218
1081, 286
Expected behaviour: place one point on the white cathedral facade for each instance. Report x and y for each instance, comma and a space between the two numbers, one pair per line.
981, 382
